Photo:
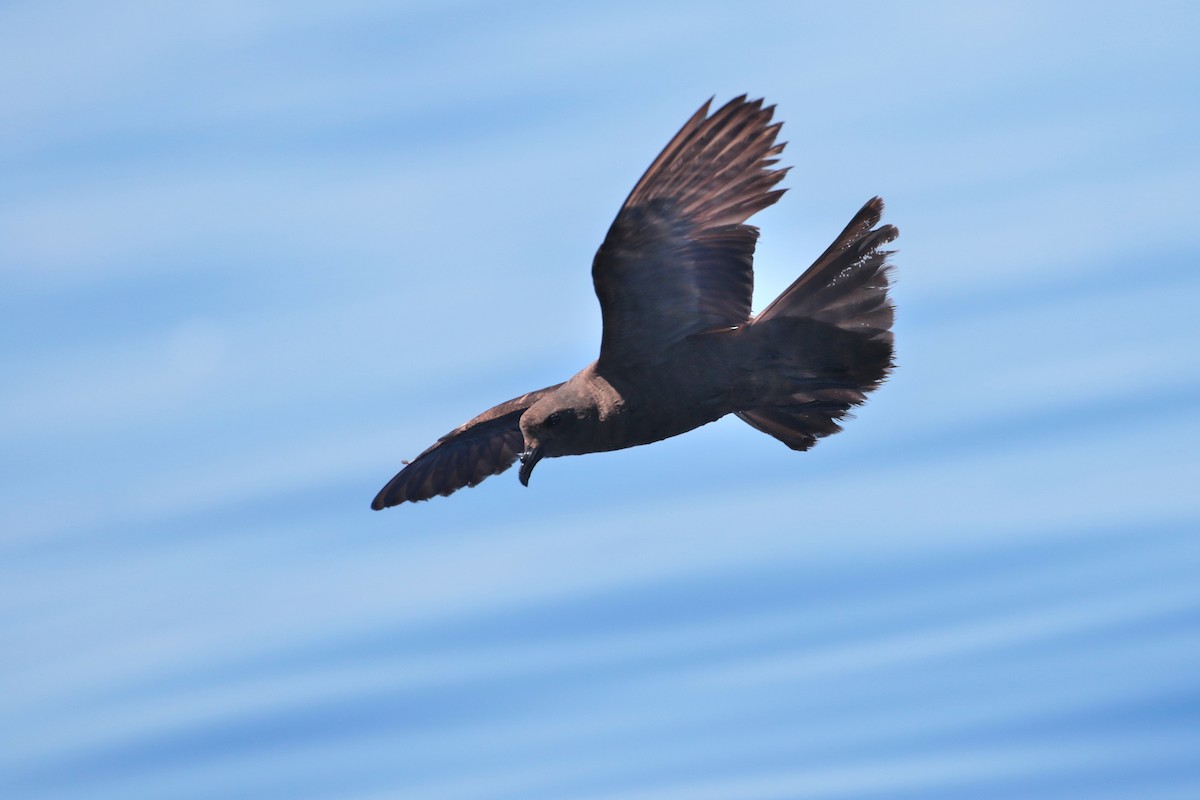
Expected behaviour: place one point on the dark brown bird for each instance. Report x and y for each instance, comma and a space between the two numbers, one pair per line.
680, 347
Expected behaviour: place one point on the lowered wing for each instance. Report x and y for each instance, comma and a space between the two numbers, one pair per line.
487, 445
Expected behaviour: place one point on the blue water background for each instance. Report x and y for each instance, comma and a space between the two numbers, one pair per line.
253, 254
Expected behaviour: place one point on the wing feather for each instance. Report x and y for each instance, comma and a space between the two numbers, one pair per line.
485, 446
678, 258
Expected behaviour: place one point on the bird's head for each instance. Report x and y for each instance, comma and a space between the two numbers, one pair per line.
560, 424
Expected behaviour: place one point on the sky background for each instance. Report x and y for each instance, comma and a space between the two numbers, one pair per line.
253, 254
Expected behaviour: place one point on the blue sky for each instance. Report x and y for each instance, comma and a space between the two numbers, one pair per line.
254, 254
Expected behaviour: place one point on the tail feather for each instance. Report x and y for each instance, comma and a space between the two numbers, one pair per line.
837, 318
797, 426
847, 286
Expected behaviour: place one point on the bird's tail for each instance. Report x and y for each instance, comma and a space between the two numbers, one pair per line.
829, 335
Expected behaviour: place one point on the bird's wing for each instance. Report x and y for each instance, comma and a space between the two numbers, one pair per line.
487, 445
678, 258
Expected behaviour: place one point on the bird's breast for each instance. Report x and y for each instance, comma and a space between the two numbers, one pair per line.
692, 385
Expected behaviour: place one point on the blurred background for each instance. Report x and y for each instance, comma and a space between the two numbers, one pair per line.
254, 254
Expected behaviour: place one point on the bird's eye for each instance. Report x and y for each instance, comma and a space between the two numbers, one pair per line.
553, 420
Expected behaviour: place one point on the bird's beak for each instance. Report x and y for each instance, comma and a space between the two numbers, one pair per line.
529, 460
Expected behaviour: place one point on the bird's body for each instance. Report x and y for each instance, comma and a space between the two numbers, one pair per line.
680, 347
695, 383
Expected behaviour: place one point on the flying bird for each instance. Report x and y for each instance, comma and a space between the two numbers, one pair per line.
680, 347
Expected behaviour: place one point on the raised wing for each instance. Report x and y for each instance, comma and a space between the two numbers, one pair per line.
677, 259
487, 445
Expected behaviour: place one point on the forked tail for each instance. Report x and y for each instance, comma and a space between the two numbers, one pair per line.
832, 331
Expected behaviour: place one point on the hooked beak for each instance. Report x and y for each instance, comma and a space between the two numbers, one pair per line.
529, 460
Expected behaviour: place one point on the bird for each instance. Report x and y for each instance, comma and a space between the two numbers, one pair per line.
679, 346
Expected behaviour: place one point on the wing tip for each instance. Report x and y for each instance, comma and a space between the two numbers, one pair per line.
734, 149
389, 495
